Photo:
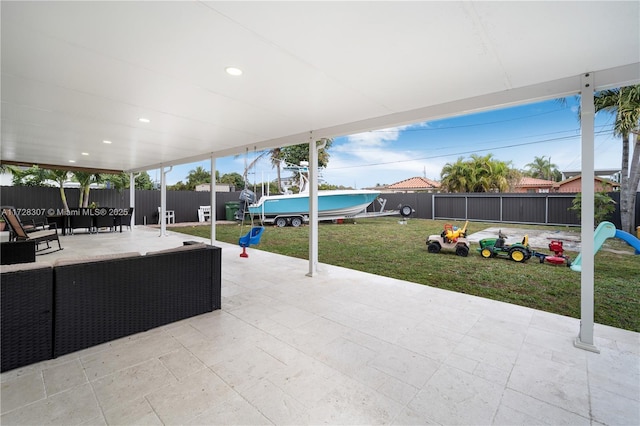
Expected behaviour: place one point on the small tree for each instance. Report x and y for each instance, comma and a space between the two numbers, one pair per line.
60, 177
479, 174
32, 176
604, 206
178, 186
196, 177
543, 168
85, 179
234, 179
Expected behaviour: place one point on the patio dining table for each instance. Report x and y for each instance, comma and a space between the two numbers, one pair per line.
92, 219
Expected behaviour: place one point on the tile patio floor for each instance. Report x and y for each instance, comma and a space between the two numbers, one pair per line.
343, 347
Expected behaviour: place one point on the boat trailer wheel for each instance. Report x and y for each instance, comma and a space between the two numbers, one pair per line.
405, 211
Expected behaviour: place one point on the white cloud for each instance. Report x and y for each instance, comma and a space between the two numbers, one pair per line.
365, 159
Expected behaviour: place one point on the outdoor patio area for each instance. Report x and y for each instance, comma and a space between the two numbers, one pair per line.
343, 347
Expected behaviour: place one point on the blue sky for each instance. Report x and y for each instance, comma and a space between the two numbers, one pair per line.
516, 134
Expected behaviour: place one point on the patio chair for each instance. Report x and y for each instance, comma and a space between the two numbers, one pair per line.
204, 213
29, 225
104, 220
44, 236
81, 221
170, 216
125, 220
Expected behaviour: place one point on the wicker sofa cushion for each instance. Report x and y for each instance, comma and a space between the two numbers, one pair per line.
189, 247
90, 259
18, 267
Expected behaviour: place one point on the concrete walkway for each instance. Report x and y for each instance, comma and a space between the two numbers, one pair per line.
538, 238
343, 347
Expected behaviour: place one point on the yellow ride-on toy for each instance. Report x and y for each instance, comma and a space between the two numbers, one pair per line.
452, 239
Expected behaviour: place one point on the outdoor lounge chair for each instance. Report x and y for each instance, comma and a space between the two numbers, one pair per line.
29, 225
38, 237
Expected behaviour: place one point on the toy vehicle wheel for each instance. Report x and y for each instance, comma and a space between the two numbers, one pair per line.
433, 247
462, 251
296, 222
517, 255
486, 253
281, 222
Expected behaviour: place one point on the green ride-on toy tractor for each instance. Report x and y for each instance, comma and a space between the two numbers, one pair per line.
494, 247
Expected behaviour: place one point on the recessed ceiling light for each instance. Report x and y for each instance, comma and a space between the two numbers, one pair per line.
233, 71
107, 142
85, 153
72, 161
144, 120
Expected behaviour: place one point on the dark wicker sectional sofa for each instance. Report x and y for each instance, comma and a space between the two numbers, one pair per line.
26, 296
52, 310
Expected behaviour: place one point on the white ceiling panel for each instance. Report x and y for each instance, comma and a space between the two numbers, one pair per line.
76, 73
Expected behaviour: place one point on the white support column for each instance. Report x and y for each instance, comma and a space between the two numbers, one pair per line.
212, 217
163, 200
313, 206
587, 113
132, 197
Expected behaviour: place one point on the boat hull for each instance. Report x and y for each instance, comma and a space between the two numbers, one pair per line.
330, 203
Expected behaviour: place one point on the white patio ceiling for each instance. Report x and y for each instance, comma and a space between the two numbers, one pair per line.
77, 73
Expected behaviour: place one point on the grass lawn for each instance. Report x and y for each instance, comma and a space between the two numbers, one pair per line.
382, 246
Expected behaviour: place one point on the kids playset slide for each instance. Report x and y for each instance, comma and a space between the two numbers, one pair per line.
604, 231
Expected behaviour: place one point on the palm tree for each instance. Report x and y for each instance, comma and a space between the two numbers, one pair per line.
85, 179
457, 177
60, 177
294, 154
245, 175
479, 174
276, 161
197, 176
625, 104
541, 168
32, 176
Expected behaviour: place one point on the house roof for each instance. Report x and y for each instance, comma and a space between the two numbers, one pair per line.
529, 181
599, 179
415, 183
75, 74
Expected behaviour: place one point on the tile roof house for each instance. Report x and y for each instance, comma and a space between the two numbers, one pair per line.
414, 184
529, 184
573, 184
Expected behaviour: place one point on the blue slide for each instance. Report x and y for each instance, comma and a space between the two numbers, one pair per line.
603, 231
629, 239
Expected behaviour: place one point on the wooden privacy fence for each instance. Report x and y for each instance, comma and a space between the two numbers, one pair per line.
545, 209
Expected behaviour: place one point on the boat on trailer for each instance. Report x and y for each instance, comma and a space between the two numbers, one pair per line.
293, 209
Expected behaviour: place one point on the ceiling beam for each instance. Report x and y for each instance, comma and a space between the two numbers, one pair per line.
62, 167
